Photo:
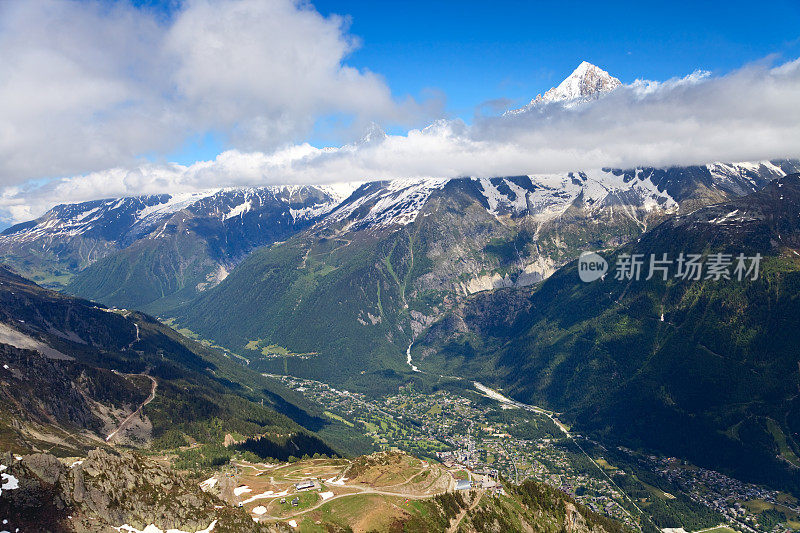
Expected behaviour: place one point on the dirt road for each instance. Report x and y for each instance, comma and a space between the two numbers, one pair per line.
137, 411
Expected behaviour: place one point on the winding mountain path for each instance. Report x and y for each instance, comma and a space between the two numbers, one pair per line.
137, 339
463, 513
137, 411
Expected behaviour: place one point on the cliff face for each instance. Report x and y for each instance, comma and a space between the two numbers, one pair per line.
47, 396
108, 490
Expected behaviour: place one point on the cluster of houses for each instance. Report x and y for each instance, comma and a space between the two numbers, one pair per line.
294, 503
302, 486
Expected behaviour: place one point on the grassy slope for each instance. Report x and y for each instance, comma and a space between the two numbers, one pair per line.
311, 309
140, 276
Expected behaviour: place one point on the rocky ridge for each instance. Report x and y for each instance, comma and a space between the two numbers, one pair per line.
106, 491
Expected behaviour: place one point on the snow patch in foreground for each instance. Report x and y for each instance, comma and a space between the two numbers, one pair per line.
209, 483
7, 481
155, 529
326, 495
238, 491
267, 494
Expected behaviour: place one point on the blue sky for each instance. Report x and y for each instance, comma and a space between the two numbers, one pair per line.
478, 51
478, 55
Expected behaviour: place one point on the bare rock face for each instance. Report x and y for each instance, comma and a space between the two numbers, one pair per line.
37, 504
79, 490
573, 520
229, 440
108, 490
46, 467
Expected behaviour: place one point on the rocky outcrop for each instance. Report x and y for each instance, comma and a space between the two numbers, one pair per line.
108, 490
573, 520
487, 283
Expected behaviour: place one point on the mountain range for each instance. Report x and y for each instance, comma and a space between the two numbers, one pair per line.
702, 369
138, 250
358, 287
157, 252
433, 282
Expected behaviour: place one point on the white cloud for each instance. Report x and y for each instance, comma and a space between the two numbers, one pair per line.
89, 85
749, 114
266, 70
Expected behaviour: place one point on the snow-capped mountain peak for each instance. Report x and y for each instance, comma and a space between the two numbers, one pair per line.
131, 218
373, 135
383, 204
586, 82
